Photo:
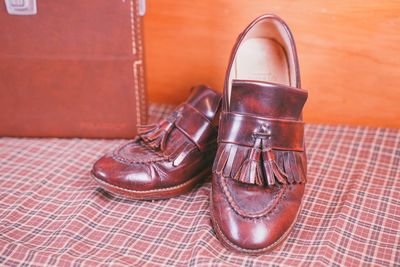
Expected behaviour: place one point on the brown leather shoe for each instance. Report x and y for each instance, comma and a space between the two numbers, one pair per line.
167, 159
259, 172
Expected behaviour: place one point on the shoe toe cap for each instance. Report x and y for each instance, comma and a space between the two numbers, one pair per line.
254, 234
103, 169
127, 176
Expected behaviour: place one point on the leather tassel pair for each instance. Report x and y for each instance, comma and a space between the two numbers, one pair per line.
261, 168
259, 165
250, 171
156, 136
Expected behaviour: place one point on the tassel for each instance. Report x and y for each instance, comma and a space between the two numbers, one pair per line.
259, 165
156, 136
145, 129
250, 170
272, 171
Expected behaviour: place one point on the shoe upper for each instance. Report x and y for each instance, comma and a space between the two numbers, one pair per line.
259, 170
168, 153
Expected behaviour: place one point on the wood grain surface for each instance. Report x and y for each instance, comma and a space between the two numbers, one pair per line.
349, 52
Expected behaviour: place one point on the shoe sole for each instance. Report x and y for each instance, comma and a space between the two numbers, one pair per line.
154, 194
235, 248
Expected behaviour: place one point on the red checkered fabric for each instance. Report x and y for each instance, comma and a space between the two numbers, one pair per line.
52, 213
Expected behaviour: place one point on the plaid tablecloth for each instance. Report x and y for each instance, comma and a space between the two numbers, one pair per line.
53, 214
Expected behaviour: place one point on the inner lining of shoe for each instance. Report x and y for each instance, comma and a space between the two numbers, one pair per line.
265, 54
261, 59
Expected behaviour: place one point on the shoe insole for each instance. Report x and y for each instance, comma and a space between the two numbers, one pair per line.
261, 59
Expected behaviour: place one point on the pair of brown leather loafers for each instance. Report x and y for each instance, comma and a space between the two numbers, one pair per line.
255, 153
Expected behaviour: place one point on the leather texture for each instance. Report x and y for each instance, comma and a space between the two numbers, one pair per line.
259, 172
75, 69
168, 158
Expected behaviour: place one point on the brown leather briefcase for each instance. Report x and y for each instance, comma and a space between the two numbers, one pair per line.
71, 68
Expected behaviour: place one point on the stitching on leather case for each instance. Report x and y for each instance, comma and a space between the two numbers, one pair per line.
143, 95
141, 77
137, 64
277, 199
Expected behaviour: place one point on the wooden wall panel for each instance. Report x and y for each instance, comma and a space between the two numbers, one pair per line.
349, 52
